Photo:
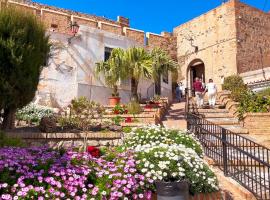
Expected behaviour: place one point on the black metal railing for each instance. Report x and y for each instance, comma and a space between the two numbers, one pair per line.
239, 157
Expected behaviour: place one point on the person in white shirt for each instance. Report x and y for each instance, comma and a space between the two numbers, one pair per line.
211, 88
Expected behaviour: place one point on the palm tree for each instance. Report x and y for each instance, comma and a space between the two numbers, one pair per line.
161, 63
113, 70
138, 65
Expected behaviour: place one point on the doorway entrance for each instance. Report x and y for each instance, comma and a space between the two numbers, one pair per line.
195, 69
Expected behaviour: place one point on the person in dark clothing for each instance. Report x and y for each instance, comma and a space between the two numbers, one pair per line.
178, 93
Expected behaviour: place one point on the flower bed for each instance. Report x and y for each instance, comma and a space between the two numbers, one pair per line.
41, 173
171, 156
129, 171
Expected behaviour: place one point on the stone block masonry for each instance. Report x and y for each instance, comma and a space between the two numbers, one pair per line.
230, 39
59, 20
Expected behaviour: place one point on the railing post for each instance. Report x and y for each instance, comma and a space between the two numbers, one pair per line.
224, 150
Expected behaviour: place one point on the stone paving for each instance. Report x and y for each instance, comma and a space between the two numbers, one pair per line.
175, 117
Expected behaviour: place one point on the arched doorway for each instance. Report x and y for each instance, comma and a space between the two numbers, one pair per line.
196, 68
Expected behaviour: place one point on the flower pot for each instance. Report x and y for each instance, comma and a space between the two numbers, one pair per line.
114, 101
172, 190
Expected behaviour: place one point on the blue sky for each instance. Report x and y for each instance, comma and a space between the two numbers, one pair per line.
148, 15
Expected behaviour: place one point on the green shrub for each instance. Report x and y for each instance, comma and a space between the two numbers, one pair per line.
6, 141
251, 102
236, 85
117, 120
134, 108
83, 114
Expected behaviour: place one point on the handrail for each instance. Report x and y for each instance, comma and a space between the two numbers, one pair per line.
239, 157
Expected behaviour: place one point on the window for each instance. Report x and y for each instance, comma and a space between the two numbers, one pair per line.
107, 53
165, 77
54, 26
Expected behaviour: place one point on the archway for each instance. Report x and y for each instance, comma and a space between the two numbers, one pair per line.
196, 68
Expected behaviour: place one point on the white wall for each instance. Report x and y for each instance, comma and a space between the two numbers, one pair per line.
70, 72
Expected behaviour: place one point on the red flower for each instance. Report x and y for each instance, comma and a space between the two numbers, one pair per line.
126, 112
148, 106
128, 120
93, 151
116, 112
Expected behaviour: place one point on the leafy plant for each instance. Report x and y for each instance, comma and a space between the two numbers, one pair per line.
134, 107
120, 110
236, 85
156, 98
161, 64
251, 102
113, 70
83, 114
117, 120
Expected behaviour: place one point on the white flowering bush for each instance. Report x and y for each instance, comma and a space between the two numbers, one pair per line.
156, 135
169, 155
176, 162
33, 113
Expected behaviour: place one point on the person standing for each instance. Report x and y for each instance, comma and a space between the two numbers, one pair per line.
211, 88
178, 93
198, 88
181, 87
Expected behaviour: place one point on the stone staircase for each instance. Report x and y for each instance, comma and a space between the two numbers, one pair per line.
219, 115
247, 170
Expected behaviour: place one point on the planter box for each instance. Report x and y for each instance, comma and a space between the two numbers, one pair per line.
210, 196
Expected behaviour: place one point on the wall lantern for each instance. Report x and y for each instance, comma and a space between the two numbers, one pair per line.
74, 28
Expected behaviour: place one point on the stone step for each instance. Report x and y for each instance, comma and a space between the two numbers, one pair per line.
236, 129
201, 111
259, 131
217, 115
223, 121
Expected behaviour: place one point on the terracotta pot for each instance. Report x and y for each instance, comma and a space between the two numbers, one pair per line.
114, 101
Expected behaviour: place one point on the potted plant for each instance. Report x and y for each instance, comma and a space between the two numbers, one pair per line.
173, 160
113, 71
114, 99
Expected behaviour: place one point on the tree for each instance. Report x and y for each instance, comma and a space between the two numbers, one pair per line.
162, 63
24, 48
139, 65
113, 69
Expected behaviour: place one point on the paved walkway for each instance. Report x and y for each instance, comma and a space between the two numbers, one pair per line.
175, 118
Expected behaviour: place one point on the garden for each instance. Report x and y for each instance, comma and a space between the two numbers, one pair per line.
149, 157
150, 161
83, 115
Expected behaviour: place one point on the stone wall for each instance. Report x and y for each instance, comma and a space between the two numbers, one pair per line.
67, 140
257, 123
59, 20
253, 45
214, 36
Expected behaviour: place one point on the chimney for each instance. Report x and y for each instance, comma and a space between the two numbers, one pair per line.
123, 21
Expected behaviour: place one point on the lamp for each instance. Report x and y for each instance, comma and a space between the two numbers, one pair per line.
74, 30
